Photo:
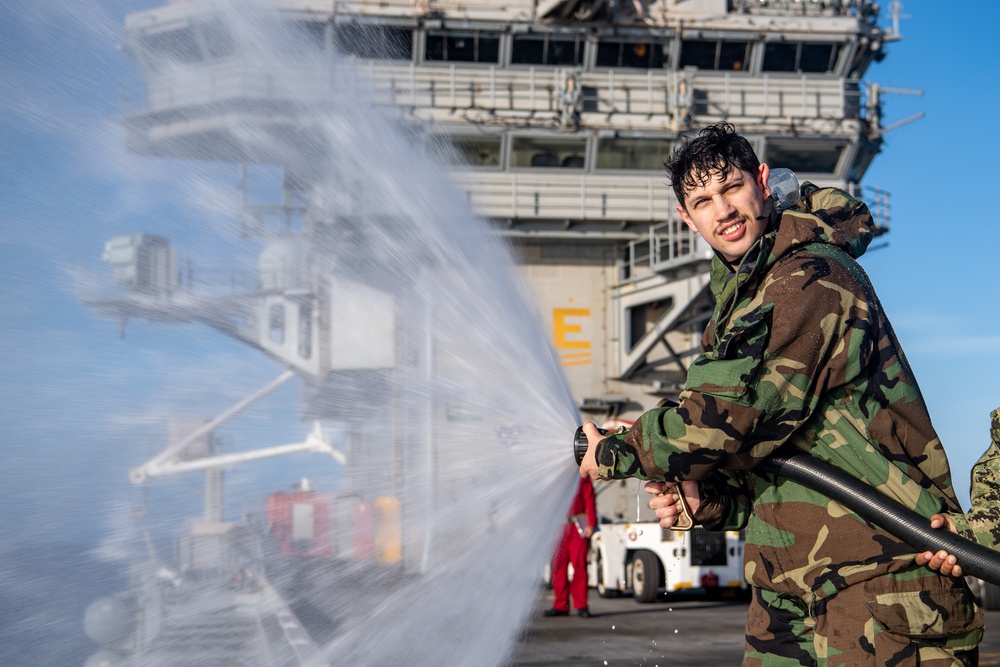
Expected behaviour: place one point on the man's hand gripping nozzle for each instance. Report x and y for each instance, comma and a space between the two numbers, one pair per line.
684, 519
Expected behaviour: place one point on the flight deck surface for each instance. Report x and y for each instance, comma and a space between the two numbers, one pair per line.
672, 632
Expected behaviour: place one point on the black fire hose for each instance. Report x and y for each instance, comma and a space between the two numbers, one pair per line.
886, 513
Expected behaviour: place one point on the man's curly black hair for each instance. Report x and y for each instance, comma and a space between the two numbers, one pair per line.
715, 150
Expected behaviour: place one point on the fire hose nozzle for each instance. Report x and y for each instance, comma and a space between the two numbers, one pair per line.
580, 443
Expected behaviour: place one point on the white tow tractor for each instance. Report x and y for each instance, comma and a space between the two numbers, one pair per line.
646, 560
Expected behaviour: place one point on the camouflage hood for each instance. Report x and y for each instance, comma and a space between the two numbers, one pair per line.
824, 216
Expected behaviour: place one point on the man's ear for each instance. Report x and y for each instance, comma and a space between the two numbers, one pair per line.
764, 173
686, 218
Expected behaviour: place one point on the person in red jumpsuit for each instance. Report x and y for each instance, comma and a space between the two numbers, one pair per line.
581, 520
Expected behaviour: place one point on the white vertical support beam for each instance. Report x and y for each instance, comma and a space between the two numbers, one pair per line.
654, 250
767, 97
452, 84
413, 85
513, 196
805, 93
649, 92
214, 495
649, 197
493, 86
427, 432
728, 104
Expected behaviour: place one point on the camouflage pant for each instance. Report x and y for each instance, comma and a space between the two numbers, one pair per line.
927, 621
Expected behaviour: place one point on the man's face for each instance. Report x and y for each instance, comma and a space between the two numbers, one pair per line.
725, 211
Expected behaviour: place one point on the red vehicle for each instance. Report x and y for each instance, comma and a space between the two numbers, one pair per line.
300, 522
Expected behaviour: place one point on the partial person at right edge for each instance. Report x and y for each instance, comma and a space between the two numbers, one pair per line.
982, 523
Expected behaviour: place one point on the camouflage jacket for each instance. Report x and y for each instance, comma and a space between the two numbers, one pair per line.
982, 523
799, 354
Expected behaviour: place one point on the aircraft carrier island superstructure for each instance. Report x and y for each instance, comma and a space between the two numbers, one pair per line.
562, 113
556, 116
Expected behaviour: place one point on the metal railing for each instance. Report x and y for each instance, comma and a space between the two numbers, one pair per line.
860, 8
700, 96
733, 96
561, 196
704, 96
454, 10
667, 246
264, 219
879, 204
208, 84
93, 283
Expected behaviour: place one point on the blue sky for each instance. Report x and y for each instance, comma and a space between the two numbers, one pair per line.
937, 278
81, 403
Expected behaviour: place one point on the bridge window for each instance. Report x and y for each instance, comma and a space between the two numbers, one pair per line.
375, 42
473, 46
547, 49
479, 151
276, 324
305, 331
818, 57
217, 39
548, 152
800, 57
862, 159
715, 54
305, 37
468, 151
632, 153
178, 46
803, 157
628, 53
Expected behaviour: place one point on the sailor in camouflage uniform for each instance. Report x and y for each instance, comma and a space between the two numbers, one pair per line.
982, 523
799, 355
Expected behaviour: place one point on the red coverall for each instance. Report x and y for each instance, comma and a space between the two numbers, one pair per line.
573, 549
